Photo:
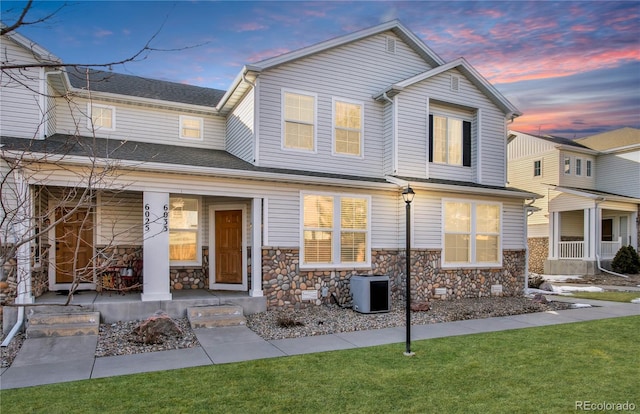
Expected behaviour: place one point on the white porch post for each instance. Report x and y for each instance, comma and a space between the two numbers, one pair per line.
554, 234
590, 223
155, 267
597, 233
633, 229
22, 230
256, 248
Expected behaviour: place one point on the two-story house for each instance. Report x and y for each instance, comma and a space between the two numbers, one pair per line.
281, 187
591, 189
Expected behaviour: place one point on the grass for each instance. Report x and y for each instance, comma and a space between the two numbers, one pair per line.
536, 370
611, 296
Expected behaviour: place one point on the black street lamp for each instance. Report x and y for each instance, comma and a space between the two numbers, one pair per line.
407, 196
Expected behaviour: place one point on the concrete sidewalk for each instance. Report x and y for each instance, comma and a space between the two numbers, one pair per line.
61, 359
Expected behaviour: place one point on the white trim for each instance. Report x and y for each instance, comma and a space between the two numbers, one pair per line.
265, 221
212, 246
256, 122
98, 128
256, 247
336, 230
334, 100
394, 134
200, 121
477, 163
199, 233
42, 102
283, 91
472, 234
429, 140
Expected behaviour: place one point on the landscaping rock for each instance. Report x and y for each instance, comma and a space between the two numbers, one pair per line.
159, 325
546, 286
540, 298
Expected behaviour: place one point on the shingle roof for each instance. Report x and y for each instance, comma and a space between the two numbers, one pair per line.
623, 137
560, 140
129, 85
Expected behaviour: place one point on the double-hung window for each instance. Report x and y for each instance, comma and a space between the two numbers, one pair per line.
567, 165
471, 233
191, 128
537, 168
101, 117
298, 120
449, 140
578, 166
336, 231
347, 127
184, 231
588, 166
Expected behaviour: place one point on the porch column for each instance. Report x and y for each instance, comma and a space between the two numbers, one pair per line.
634, 229
256, 248
590, 240
23, 231
554, 234
156, 285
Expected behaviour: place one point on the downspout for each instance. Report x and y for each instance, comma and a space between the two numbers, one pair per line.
529, 209
600, 268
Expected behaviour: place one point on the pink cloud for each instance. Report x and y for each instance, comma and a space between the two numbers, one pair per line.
250, 27
266, 54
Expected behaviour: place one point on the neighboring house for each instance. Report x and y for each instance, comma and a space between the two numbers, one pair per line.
283, 186
591, 189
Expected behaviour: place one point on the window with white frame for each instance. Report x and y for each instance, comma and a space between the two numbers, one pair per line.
101, 117
335, 230
184, 231
537, 168
298, 119
567, 165
347, 127
449, 140
191, 127
578, 166
588, 167
471, 233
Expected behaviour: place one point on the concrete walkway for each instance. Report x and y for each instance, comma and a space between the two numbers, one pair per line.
61, 359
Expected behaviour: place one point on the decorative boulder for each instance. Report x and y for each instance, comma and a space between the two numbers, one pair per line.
157, 326
546, 286
540, 298
420, 307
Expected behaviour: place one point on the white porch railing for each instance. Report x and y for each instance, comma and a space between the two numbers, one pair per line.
608, 249
571, 250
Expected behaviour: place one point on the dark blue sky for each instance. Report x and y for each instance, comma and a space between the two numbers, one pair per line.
573, 68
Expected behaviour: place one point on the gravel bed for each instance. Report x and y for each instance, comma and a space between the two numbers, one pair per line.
119, 339
322, 320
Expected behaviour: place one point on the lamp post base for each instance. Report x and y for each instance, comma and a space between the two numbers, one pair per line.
409, 354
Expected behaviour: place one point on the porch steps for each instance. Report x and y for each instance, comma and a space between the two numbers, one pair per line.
41, 325
216, 316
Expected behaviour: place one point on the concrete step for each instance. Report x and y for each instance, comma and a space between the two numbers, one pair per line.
216, 316
62, 324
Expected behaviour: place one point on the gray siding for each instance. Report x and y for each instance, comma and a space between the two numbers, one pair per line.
240, 137
21, 97
413, 124
140, 123
388, 137
354, 71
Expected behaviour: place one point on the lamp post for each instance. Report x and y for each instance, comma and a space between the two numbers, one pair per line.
407, 196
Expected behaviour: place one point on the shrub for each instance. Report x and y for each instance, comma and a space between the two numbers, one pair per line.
626, 261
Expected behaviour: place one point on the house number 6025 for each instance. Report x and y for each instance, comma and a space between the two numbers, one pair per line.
147, 217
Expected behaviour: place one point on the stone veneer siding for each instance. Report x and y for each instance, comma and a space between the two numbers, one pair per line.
538, 253
283, 282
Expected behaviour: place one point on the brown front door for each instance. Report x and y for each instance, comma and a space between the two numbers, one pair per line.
229, 246
74, 246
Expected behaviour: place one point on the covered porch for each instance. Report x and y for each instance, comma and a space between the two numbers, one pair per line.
582, 239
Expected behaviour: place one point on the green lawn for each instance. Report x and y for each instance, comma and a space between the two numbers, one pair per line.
607, 295
536, 370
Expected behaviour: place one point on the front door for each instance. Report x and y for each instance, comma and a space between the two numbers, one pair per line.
74, 246
228, 247
607, 229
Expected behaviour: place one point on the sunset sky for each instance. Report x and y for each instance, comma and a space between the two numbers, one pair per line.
572, 68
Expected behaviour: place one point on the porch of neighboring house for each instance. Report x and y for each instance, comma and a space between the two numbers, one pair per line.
581, 240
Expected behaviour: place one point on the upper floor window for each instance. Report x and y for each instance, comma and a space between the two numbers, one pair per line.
567, 165
102, 117
347, 124
184, 231
335, 230
471, 233
537, 168
298, 119
578, 166
588, 166
449, 140
191, 127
